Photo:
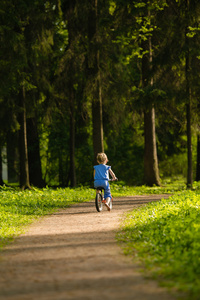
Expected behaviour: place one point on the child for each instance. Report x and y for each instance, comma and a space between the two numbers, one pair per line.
101, 177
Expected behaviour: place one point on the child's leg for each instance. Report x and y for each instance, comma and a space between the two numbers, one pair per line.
107, 193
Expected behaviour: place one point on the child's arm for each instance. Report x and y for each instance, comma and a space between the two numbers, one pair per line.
112, 174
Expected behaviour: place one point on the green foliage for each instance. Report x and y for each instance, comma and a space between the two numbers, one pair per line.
46, 51
165, 236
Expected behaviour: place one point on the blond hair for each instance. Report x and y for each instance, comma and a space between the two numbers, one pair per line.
101, 158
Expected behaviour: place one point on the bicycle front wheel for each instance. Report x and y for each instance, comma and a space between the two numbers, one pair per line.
98, 202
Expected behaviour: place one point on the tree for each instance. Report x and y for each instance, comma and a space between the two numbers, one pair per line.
139, 39
35, 169
151, 171
93, 59
12, 140
91, 75
198, 159
68, 69
1, 172
191, 77
188, 96
23, 149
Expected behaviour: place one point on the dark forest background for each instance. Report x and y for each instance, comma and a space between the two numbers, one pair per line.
80, 77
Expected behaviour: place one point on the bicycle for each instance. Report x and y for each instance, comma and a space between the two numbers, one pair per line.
99, 199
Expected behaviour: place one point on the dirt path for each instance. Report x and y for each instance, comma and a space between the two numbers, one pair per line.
73, 254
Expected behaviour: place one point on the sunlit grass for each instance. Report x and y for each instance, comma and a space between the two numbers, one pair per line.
165, 237
20, 208
168, 186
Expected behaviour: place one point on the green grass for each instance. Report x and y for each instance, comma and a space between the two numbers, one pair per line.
168, 187
165, 237
20, 208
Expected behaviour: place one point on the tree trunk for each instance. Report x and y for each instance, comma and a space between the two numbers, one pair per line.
1, 169
189, 147
97, 117
198, 159
188, 102
94, 72
12, 157
72, 140
35, 170
61, 171
151, 171
23, 149
71, 30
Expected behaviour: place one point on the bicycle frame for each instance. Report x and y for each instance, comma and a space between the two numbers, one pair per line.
99, 199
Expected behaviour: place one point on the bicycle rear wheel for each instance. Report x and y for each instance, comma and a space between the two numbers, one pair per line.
98, 202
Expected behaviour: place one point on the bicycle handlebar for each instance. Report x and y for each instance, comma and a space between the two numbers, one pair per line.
113, 179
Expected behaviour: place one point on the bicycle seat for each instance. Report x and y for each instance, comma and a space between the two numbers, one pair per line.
99, 188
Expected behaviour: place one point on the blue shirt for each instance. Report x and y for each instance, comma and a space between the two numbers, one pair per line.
101, 172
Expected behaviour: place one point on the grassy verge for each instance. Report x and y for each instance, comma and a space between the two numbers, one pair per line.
169, 186
165, 237
18, 209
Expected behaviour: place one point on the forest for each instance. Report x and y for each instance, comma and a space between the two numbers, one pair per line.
82, 77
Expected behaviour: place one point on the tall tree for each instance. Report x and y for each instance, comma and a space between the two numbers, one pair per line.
151, 171
1, 170
139, 37
198, 159
12, 156
188, 95
93, 59
34, 161
68, 64
72, 171
23, 148
71, 82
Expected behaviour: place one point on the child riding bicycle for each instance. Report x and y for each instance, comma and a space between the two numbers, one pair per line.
101, 177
